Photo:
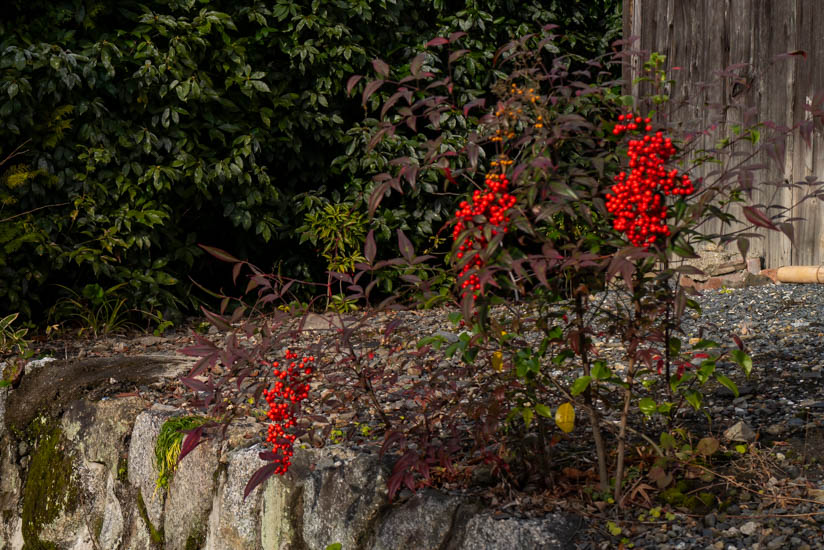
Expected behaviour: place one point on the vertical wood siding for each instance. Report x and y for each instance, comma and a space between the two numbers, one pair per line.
703, 37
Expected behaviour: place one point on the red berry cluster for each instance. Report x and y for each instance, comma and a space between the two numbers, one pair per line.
284, 402
493, 203
638, 201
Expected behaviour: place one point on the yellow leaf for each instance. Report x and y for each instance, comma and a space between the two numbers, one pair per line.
498, 361
565, 417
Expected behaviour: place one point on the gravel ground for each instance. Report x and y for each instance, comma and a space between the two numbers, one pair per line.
780, 503
773, 495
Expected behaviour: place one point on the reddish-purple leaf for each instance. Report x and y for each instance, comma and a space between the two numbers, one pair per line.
267, 455
390, 439
758, 218
215, 319
237, 314
439, 41
377, 196
236, 272
680, 302
789, 231
738, 342
393, 485
456, 35
353, 80
480, 102
743, 247
203, 347
370, 249
262, 474
285, 289
539, 269
219, 254
448, 173
793, 53
410, 173
370, 89
574, 340
193, 439
416, 64
389, 103
405, 246
203, 364
409, 481
194, 384
457, 54
380, 67
345, 277
251, 285
467, 306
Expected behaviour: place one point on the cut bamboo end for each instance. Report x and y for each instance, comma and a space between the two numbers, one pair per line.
801, 274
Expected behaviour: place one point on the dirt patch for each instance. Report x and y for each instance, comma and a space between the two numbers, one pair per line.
49, 389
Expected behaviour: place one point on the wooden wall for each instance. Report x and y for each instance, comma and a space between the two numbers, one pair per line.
703, 37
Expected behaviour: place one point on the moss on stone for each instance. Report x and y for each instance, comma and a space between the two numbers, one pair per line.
195, 541
50, 484
98, 527
123, 469
156, 535
168, 446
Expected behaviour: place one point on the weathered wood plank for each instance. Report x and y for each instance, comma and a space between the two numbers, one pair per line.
702, 38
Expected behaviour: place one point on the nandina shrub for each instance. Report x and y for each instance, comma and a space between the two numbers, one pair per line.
552, 154
553, 142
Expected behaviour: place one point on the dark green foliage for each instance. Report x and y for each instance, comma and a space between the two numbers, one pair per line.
155, 126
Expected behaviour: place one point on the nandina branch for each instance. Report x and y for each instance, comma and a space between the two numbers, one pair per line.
594, 418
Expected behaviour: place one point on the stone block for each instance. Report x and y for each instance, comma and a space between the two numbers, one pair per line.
142, 470
189, 500
235, 523
342, 497
424, 521
551, 532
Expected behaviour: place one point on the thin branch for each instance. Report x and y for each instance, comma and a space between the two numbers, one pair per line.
34, 210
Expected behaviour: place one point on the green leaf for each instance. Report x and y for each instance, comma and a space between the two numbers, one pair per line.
580, 385
705, 344
543, 410
674, 346
744, 360
693, 397
600, 371
705, 370
6, 321
724, 381
527, 414
667, 441
647, 406
260, 86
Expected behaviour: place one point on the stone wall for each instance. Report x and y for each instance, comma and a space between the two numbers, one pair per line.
81, 476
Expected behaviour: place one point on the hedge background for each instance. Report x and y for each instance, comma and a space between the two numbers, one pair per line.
149, 127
